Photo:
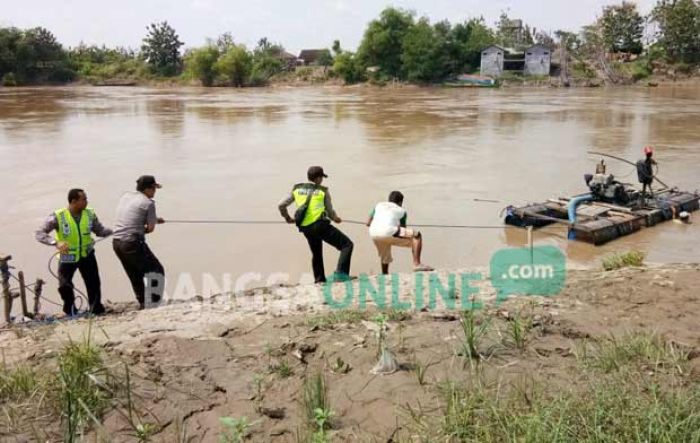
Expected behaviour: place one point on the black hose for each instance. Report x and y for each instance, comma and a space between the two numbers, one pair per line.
630, 163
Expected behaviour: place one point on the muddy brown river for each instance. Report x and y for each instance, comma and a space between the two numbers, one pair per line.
225, 154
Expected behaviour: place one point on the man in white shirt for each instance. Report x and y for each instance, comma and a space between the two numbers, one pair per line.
387, 227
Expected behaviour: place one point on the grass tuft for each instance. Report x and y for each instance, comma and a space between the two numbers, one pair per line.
80, 396
609, 409
518, 331
624, 260
315, 399
19, 383
332, 318
473, 331
282, 369
641, 350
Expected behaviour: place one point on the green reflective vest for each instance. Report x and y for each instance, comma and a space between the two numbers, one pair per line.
78, 236
317, 205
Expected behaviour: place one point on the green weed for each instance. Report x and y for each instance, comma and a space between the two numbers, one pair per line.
624, 260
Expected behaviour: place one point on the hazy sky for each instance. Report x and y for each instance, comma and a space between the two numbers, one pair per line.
296, 24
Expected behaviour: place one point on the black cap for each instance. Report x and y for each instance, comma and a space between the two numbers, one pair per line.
147, 181
315, 172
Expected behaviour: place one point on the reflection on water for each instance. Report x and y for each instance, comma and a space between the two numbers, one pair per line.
168, 114
232, 154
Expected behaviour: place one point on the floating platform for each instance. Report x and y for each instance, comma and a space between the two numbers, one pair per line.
598, 222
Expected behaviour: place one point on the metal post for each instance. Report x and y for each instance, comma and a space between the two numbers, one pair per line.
38, 286
6, 295
23, 294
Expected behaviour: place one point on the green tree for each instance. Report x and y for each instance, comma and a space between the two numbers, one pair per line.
99, 62
10, 40
382, 43
161, 49
622, 28
424, 58
679, 29
471, 38
528, 37
200, 62
508, 32
325, 59
570, 40
543, 38
267, 62
347, 66
235, 65
336, 47
33, 56
224, 42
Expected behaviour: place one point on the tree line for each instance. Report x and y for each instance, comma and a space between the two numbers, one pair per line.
396, 45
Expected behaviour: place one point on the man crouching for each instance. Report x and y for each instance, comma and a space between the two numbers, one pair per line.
387, 227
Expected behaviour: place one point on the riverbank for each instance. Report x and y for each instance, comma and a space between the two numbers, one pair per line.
306, 81
597, 346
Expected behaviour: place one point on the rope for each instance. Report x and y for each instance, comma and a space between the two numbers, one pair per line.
228, 222
352, 222
81, 296
32, 291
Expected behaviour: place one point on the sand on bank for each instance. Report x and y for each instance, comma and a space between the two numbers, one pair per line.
196, 361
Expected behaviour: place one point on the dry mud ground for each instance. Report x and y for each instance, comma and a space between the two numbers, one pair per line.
194, 362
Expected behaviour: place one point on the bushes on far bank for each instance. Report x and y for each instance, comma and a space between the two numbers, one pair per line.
229, 64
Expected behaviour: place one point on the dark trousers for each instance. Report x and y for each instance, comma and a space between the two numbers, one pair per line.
322, 231
140, 263
91, 276
644, 192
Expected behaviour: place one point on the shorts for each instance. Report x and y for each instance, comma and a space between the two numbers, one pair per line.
404, 239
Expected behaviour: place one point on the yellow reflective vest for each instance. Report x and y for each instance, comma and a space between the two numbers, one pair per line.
77, 235
317, 205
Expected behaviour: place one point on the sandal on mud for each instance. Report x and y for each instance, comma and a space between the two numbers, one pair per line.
423, 268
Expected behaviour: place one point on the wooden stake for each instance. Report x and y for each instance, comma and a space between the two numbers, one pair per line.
23, 294
530, 241
6, 295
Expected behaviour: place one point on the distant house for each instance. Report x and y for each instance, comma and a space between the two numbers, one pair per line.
492, 61
289, 61
538, 60
535, 60
311, 57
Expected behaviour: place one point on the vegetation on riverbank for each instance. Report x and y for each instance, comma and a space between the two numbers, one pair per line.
397, 46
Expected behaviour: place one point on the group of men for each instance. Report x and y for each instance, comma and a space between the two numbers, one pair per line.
387, 227
70, 231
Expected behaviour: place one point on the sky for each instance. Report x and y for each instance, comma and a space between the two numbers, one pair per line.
296, 24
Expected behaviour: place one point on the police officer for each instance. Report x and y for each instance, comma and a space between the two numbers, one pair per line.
136, 217
73, 227
315, 223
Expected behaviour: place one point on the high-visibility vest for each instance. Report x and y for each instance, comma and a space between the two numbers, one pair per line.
317, 205
78, 236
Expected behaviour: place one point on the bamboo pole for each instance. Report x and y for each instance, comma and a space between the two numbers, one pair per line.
6, 295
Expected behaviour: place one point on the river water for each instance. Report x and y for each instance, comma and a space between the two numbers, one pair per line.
233, 154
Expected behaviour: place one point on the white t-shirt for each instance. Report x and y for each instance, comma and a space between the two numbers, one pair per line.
386, 219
